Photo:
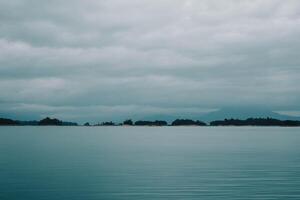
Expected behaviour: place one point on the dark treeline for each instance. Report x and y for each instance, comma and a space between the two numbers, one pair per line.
128, 122
104, 124
151, 123
11, 122
255, 122
55, 122
187, 122
178, 122
44, 122
48, 121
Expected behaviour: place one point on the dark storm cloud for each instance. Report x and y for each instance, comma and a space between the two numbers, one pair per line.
91, 58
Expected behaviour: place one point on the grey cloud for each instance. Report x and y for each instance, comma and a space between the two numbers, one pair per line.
148, 54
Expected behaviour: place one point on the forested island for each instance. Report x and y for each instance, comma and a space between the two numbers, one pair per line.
178, 122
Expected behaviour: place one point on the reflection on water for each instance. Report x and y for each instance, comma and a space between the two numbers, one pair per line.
149, 163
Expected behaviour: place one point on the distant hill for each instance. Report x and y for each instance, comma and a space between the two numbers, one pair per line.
223, 113
244, 113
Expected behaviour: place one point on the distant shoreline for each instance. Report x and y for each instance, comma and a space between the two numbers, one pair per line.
183, 126
250, 122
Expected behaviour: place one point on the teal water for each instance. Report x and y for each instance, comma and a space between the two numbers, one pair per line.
90, 163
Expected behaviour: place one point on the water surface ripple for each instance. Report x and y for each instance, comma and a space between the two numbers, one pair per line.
49, 163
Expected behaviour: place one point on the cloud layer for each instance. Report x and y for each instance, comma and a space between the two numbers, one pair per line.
93, 60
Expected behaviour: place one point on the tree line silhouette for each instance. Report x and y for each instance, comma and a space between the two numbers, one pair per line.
178, 122
255, 122
44, 122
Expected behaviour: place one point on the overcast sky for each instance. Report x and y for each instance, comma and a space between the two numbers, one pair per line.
110, 59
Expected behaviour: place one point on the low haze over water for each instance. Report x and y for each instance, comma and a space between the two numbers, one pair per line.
149, 163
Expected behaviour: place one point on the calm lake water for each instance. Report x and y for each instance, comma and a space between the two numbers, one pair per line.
149, 163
